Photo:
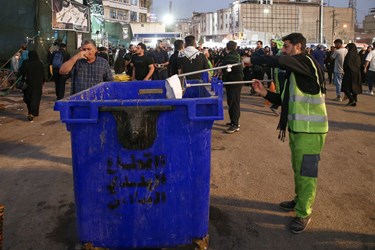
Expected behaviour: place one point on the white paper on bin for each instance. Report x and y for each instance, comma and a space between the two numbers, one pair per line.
173, 87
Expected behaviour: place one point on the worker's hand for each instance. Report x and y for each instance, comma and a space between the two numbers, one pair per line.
259, 88
365, 70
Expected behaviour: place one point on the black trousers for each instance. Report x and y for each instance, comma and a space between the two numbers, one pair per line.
233, 101
160, 74
330, 75
60, 81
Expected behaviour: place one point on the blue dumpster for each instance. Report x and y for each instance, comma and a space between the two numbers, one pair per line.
141, 163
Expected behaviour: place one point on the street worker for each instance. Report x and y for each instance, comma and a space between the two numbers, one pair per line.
303, 110
87, 68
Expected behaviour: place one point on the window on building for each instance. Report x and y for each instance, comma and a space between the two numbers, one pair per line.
134, 2
121, 15
142, 17
133, 16
113, 13
142, 3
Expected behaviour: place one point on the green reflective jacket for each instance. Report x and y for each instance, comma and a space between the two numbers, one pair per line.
307, 113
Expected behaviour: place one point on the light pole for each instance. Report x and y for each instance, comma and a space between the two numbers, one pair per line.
321, 22
317, 37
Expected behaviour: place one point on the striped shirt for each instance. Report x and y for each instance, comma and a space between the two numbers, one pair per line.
85, 75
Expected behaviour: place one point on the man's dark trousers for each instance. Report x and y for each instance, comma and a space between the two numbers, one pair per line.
233, 101
60, 81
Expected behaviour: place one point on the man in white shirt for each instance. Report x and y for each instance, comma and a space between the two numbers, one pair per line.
338, 71
370, 78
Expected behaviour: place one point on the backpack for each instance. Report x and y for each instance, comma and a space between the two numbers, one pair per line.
57, 60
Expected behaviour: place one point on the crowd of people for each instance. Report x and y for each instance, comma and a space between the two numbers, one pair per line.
346, 68
298, 72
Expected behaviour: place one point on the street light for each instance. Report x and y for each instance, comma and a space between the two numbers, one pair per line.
344, 33
168, 19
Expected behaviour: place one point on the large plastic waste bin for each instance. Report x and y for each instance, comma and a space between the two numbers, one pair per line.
141, 163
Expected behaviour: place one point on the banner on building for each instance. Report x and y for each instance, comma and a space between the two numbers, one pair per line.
70, 15
125, 32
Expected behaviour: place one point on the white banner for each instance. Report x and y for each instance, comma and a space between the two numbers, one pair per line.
70, 15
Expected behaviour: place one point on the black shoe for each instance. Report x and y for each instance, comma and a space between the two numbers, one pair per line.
299, 224
351, 103
232, 129
231, 124
287, 205
30, 117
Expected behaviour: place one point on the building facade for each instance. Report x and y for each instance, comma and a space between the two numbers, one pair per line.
369, 22
111, 20
125, 10
252, 20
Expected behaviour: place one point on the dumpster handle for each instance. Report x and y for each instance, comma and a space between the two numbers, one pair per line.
88, 112
216, 114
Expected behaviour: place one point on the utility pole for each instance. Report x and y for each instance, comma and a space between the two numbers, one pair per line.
321, 22
333, 24
353, 5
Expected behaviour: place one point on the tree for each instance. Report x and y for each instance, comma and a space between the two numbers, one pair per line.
148, 5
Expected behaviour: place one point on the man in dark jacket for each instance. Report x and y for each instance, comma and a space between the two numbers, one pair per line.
303, 111
173, 66
58, 58
319, 55
161, 61
233, 90
190, 59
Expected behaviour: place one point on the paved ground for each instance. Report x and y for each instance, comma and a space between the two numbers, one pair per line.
250, 175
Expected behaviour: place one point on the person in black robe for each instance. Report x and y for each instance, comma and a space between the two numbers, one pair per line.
351, 82
32, 71
120, 60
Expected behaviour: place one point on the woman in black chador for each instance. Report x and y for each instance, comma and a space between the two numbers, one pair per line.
32, 71
351, 82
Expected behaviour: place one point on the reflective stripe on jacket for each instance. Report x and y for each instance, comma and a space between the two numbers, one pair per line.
307, 113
